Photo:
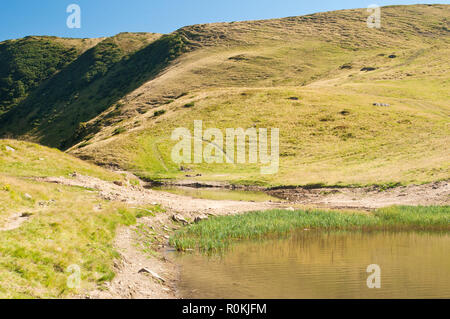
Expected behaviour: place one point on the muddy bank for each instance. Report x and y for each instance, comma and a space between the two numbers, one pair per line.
437, 193
366, 198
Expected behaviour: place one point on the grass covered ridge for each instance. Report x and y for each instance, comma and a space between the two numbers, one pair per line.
330, 136
316, 78
216, 234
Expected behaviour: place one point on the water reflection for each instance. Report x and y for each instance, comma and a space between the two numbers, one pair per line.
312, 264
219, 193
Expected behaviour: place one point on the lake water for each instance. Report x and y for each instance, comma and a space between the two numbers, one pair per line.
313, 264
219, 193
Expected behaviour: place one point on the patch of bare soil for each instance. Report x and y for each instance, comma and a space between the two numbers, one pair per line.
15, 221
140, 274
437, 193
137, 195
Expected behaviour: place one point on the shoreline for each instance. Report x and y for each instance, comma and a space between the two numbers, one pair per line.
218, 234
339, 197
137, 265
193, 182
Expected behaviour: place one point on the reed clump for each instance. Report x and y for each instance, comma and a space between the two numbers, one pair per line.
217, 233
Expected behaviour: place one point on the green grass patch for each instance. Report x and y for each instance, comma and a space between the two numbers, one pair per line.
29, 159
189, 105
159, 113
77, 228
119, 130
216, 234
66, 225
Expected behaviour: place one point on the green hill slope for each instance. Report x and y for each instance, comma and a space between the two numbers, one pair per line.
26, 63
61, 225
53, 112
314, 77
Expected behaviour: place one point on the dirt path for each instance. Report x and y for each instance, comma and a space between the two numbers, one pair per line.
137, 195
142, 275
137, 271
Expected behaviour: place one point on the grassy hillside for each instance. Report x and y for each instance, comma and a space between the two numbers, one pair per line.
315, 77
26, 63
28, 159
306, 76
116, 101
65, 226
53, 113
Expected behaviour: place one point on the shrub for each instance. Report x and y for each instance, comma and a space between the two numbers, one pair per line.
158, 113
119, 130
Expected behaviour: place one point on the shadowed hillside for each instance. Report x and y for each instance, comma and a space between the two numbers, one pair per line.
26, 63
54, 111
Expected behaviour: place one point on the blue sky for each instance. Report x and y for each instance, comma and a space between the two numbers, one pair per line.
19, 18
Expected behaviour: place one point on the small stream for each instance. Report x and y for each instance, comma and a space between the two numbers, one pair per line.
319, 264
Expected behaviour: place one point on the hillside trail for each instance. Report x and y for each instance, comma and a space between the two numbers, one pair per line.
141, 274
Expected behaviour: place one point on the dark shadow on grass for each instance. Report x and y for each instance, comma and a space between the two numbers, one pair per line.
57, 110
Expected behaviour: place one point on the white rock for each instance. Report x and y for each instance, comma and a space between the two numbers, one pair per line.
28, 196
200, 218
9, 148
180, 219
152, 273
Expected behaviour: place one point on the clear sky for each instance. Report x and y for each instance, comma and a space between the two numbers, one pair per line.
19, 18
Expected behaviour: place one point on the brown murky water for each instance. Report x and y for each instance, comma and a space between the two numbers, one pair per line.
311, 264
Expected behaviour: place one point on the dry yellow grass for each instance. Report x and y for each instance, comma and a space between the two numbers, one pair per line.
242, 75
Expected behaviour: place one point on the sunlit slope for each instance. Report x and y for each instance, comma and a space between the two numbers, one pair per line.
316, 78
24, 159
46, 227
117, 100
22, 162
327, 136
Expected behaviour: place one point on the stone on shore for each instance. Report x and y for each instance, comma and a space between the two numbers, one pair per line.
180, 219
